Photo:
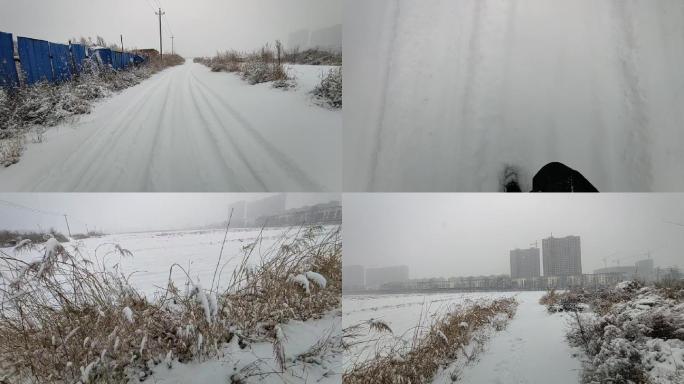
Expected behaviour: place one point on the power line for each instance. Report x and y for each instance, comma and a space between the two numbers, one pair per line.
150, 4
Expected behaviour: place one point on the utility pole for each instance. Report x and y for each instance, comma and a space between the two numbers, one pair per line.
172, 37
160, 14
123, 64
67, 223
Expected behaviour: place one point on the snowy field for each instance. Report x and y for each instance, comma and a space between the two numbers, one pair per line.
440, 95
153, 253
189, 129
510, 356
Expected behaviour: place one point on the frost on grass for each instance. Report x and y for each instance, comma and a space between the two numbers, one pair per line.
629, 334
66, 318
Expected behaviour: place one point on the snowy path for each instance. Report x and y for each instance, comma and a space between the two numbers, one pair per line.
188, 129
531, 350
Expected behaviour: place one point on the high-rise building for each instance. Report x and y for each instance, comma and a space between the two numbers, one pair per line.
524, 263
376, 277
353, 277
562, 256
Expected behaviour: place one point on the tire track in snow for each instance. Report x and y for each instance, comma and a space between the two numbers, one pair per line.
635, 156
93, 146
286, 164
154, 151
102, 161
213, 139
380, 123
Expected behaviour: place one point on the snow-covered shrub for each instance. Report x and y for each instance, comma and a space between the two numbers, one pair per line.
636, 335
256, 71
329, 91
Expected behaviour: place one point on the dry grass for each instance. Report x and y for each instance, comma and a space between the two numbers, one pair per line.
262, 66
441, 344
67, 318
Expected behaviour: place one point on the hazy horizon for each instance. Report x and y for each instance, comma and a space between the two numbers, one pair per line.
450, 235
130, 212
201, 28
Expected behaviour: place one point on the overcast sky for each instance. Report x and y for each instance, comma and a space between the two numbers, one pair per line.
121, 212
201, 27
445, 235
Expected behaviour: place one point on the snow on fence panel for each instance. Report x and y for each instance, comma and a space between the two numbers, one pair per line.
78, 53
34, 56
8, 70
60, 62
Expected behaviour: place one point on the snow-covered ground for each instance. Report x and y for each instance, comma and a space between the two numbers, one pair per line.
189, 129
531, 350
257, 363
440, 95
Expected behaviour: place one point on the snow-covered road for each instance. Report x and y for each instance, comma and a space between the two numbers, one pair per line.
189, 129
531, 350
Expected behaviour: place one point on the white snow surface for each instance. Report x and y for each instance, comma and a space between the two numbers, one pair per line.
298, 338
531, 350
440, 95
189, 129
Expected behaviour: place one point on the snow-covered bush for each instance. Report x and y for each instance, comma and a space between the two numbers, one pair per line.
636, 335
329, 91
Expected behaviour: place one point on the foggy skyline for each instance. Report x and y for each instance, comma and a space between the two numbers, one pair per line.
442, 235
130, 212
201, 27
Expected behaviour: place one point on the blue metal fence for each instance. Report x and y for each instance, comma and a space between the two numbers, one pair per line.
78, 53
35, 59
61, 67
8, 69
45, 61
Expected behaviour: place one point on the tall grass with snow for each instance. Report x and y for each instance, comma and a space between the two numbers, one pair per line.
67, 318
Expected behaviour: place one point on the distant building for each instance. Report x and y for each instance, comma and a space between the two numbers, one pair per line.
319, 214
644, 270
524, 263
268, 206
562, 256
641, 270
353, 277
238, 218
376, 277
329, 38
299, 39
